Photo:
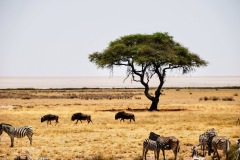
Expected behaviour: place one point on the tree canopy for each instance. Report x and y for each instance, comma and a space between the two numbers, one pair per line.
146, 55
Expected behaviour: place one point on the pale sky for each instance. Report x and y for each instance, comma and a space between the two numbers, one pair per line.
55, 37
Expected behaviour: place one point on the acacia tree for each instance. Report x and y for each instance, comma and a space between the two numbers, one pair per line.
147, 55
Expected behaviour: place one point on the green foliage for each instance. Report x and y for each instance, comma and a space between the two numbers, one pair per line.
155, 51
232, 152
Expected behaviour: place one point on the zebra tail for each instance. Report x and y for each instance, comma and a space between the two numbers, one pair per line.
227, 146
178, 146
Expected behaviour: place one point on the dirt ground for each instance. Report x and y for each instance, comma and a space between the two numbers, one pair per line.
183, 113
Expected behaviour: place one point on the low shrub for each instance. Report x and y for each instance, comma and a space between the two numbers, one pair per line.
214, 98
228, 99
232, 152
235, 94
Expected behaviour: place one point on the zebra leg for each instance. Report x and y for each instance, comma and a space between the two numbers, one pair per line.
217, 155
175, 155
145, 153
163, 154
155, 155
158, 151
238, 154
30, 138
12, 141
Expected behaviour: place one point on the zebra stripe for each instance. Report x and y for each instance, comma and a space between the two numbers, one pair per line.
21, 132
149, 144
18, 132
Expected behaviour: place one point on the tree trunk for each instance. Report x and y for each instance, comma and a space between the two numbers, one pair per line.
154, 105
155, 100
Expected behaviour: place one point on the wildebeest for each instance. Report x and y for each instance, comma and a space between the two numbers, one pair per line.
123, 115
80, 117
49, 118
238, 121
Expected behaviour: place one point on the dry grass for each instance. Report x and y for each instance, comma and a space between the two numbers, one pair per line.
183, 115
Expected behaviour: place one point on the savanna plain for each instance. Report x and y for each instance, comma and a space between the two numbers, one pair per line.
183, 112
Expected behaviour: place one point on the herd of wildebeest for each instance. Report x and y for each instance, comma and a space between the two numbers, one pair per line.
209, 141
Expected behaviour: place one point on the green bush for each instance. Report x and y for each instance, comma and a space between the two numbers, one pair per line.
233, 151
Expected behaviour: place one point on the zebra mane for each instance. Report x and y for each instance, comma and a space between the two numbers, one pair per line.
5, 124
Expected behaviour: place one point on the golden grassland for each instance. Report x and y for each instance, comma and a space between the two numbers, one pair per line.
184, 113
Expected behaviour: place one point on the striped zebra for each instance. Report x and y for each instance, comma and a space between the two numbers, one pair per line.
216, 143
238, 150
203, 142
219, 143
149, 144
18, 132
166, 143
195, 151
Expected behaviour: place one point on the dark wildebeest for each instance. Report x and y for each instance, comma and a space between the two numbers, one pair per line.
123, 115
80, 116
49, 118
238, 121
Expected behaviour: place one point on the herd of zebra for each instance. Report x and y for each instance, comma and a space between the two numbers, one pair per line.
208, 141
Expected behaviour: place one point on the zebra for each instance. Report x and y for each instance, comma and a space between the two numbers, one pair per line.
219, 143
198, 158
166, 143
203, 142
208, 136
149, 144
24, 156
42, 158
18, 132
195, 155
195, 151
238, 150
